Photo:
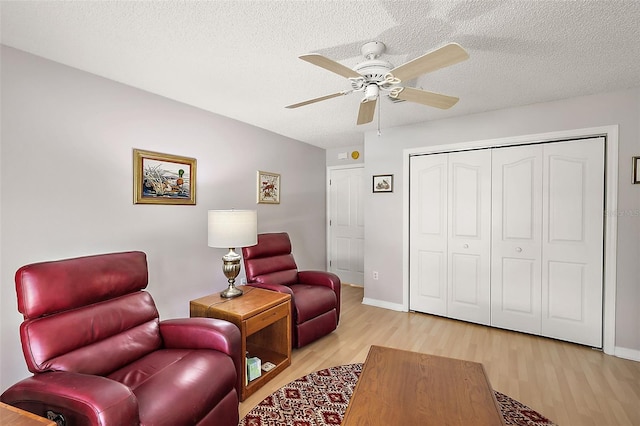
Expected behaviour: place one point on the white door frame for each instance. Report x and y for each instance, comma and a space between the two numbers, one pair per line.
328, 214
611, 204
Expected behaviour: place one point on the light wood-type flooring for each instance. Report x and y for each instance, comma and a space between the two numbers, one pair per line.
571, 384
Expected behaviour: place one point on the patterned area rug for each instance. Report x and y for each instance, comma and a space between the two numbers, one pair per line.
321, 399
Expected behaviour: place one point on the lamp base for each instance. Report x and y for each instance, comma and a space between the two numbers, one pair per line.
231, 268
231, 292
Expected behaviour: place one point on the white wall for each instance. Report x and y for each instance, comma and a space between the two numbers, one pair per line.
66, 185
383, 251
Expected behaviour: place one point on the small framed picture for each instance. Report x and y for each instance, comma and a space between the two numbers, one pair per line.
382, 183
268, 188
163, 178
636, 170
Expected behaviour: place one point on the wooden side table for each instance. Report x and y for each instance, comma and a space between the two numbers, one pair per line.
264, 320
10, 415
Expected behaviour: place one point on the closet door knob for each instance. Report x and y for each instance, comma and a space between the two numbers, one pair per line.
466, 246
518, 249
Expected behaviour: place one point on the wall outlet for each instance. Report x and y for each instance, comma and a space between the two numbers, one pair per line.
375, 275
243, 281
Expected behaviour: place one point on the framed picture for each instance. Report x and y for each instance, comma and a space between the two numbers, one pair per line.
268, 188
382, 183
163, 178
636, 170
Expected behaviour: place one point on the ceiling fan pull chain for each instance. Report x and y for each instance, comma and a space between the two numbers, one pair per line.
379, 107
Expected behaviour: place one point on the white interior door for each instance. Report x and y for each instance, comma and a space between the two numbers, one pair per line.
572, 243
516, 238
429, 234
346, 224
469, 243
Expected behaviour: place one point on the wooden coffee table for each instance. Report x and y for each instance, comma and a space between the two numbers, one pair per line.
264, 320
408, 388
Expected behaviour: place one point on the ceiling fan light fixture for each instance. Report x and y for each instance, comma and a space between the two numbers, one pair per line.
371, 92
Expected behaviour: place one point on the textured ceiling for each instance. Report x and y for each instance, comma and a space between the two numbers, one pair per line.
239, 58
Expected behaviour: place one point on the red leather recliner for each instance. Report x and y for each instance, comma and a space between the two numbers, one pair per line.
101, 356
315, 295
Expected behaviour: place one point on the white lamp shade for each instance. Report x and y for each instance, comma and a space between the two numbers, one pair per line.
233, 228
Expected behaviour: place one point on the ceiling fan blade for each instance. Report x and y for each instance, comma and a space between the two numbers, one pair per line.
330, 65
321, 98
443, 57
426, 98
367, 109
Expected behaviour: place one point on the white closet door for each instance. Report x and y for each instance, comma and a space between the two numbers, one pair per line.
469, 245
516, 238
572, 246
428, 234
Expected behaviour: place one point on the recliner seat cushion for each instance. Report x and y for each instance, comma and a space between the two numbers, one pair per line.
190, 381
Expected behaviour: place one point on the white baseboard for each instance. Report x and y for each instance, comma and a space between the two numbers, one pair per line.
383, 304
632, 354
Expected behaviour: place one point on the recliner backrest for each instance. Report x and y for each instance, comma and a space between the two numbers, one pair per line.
270, 261
87, 315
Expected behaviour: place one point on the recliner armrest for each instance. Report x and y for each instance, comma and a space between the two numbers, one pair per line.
204, 333
327, 279
201, 333
80, 398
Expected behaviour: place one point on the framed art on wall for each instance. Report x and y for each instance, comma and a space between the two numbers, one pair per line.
382, 183
636, 170
163, 178
268, 188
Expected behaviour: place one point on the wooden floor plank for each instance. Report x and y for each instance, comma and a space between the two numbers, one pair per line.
570, 384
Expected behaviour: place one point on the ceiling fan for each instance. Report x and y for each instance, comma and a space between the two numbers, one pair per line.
376, 75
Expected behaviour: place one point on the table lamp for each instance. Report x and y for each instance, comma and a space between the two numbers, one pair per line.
230, 229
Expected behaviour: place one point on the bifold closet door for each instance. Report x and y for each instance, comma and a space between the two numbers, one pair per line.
450, 221
511, 237
572, 243
428, 238
516, 252
469, 244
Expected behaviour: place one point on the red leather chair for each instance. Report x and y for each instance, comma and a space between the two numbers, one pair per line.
315, 295
100, 355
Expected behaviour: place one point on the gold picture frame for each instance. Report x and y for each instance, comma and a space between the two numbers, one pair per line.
268, 188
163, 178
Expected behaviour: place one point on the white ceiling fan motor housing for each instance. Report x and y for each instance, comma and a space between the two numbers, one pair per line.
373, 70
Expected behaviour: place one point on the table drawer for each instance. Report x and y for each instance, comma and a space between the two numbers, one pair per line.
266, 318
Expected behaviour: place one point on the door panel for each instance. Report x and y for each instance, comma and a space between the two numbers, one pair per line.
346, 230
428, 241
516, 238
572, 247
469, 245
